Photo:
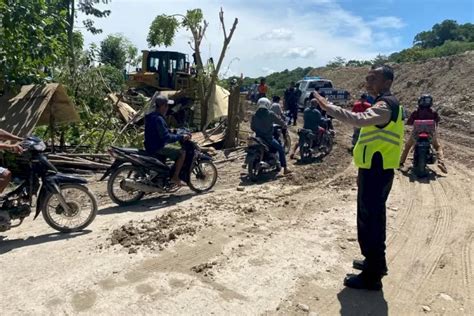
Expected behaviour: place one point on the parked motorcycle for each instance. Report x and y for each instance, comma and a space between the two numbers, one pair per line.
135, 173
311, 144
424, 153
66, 204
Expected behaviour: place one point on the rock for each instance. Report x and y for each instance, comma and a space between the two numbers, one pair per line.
287, 202
326, 210
426, 308
446, 297
240, 189
351, 239
210, 242
303, 307
132, 250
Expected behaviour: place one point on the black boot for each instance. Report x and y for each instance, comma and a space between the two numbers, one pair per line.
363, 282
360, 265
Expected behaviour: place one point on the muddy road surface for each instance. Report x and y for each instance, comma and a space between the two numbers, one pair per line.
279, 247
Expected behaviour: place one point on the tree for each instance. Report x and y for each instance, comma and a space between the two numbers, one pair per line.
117, 51
445, 31
32, 39
465, 32
336, 62
379, 60
162, 32
89, 8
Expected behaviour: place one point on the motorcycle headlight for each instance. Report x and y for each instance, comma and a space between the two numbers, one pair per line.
41, 146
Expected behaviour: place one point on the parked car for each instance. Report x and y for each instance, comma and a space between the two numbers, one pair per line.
310, 84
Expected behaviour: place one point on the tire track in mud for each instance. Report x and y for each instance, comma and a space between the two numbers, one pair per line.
466, 257
404, 217
424, 253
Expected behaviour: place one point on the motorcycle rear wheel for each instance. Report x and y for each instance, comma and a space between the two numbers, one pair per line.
117, 193
419, 164
79, 199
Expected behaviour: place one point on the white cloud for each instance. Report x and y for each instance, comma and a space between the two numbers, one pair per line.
276, 34
300, 33
300, 52
387, 22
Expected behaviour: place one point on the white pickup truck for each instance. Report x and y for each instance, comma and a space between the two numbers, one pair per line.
310, 84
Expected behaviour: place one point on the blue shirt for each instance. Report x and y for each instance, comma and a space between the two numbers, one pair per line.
312, 118
157, 134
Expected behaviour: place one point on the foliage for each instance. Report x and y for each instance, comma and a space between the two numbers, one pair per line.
89, 8
448, 30
336, 63
418, 54
278, 82
117, 51
379, 60
32, 38
162, 31
358, 63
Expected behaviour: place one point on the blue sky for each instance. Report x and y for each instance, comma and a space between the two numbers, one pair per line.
277, 35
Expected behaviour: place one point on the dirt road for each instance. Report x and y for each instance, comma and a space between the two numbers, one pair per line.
279, 247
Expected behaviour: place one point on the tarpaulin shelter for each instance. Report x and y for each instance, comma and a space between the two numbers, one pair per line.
36, 105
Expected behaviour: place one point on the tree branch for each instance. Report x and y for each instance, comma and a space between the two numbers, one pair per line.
221, 18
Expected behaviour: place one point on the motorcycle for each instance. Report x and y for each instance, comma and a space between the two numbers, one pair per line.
135, 173
311, 144
260, 158
66, 204
423, 153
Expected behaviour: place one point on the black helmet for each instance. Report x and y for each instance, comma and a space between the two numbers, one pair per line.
425, 101
364, 96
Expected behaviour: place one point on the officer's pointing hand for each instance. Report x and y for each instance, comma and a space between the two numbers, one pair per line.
321, 100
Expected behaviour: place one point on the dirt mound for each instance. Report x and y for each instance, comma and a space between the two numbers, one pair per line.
159, 232
448, 79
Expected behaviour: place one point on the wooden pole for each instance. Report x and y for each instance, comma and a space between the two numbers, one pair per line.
230, 139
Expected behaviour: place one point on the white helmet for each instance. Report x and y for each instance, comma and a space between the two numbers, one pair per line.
264, 103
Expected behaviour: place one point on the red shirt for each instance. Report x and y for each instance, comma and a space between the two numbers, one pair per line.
262, 88
423, 114
360, 107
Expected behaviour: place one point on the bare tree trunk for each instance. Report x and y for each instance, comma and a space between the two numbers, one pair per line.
233, 117
215, 73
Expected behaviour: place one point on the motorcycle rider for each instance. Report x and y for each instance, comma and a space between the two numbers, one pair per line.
424, 112
276, 107
5, 174
262, 124
312, 120
159, 140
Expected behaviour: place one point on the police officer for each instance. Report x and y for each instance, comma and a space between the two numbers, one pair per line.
376, 154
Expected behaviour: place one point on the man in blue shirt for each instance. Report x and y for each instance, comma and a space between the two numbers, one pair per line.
312, 120
159, 140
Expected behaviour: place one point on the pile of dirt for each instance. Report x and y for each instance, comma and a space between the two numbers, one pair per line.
159, 232
448, 79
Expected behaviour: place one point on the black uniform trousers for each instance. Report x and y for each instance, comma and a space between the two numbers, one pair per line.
374, 186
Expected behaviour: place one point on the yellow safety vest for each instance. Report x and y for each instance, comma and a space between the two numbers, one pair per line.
388, 141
